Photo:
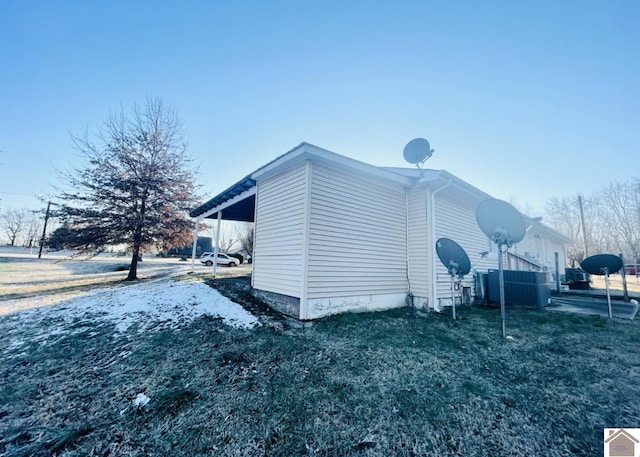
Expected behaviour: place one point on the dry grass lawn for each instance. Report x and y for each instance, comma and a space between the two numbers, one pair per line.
392, 383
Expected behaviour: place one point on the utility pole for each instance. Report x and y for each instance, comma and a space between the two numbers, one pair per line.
584, 231
624, 279
44, 229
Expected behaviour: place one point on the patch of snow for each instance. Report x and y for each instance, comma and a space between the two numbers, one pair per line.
147, 306
161, 304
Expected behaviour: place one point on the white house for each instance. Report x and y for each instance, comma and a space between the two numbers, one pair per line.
334, 234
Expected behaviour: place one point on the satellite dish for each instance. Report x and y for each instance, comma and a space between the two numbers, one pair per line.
453, 257
501, 222
602, 264
417, 151
457, 262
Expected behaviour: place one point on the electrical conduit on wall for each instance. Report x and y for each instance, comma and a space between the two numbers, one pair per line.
434, 277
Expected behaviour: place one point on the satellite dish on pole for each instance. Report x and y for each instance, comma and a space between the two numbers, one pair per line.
504, 225
457, 263
603, 264
501, 222
417, 151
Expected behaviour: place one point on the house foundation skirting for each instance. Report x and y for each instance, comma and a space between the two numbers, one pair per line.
418, 301
320, 307
284, 304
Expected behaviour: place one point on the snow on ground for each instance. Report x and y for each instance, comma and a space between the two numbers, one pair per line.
141, 307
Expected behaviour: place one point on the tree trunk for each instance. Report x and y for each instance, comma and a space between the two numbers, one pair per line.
137, 241
133, 268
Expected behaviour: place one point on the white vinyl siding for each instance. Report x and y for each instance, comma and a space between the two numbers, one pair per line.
530, 247
279, 233
419, 251
456, 220
357, 236
550, 255
542, 249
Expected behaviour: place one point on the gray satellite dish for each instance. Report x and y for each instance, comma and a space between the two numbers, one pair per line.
453, 257
603, 264
503, 224
456, 261
417, 151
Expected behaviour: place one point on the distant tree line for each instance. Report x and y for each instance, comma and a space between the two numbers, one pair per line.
21, 226
612, 221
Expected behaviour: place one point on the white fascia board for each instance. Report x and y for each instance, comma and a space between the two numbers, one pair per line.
289, 159
318, 155
247, 193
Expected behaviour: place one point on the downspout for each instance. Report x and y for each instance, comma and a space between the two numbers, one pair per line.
215, 250
195, 242
434, 278
406, 245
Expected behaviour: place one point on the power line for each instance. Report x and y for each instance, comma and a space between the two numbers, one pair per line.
18, 193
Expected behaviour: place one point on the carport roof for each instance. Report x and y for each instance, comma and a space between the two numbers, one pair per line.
239, 209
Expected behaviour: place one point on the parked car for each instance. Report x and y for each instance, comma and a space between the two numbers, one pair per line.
632, 269
223, 259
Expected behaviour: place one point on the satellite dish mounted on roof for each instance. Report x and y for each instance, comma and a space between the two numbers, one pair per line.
503, 224
457, 263
603, 264
417, 151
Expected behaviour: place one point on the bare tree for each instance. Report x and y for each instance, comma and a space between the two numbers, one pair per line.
33, 228
563, 215
524, 208
14, 222
612, 221
136, 186
228, 239
245, 236
621, 204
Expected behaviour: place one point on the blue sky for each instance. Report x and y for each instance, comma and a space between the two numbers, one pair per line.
524, 100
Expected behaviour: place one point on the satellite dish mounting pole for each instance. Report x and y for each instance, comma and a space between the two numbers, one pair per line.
453, 272
503, 313
453, 297
606, 283
504, 226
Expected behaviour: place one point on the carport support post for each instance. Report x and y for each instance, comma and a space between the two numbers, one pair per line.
215, 250
195, 242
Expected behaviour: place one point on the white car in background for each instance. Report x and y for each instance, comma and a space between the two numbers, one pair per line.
223, 259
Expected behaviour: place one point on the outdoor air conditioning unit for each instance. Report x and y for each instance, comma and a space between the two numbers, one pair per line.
579, 276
